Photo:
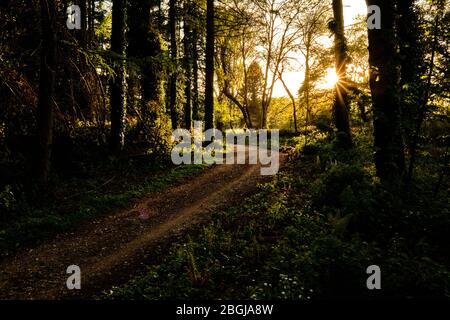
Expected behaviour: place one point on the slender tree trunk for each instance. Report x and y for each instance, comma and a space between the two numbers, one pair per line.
195, 70
307, 89
84, 26
247, 117
264, 115
46, 88
118, 84
286, 88
174, 55
209, 77
245, 113
91, 31
81, 97
188, 66
341, 99
265, 96
384, 84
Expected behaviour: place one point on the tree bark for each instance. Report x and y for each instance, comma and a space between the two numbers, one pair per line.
144, 43
118, 84
244, 111
209, 77
195, 70
91, 23
307, 87
291, 96
174, 55
46, 88
188, 66
384, 84
84, 29
341, 99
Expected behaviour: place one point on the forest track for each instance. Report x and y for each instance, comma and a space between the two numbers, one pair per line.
113, 249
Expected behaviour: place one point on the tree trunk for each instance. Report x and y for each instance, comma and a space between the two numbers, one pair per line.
174, 55
226, 86
341, 99
264, 115
286, 88
195, 70
247, 118
209, 76
307, 89
46, 88
91, 23
118, 84
82, 34
245, 114
152, 77
144, 43
81, 98
384, 84
188, 66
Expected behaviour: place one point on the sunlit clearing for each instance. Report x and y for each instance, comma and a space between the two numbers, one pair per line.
330, 79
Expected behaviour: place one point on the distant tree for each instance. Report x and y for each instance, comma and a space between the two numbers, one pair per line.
232, 75
188, 43
46, 88
209, 73
311, 26
145, 46
174, 56
278, 37
236, 42
195, 75
235, 48
253, 89
118, 84
291, 96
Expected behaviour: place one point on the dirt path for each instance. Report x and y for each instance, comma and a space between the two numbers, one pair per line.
112, 249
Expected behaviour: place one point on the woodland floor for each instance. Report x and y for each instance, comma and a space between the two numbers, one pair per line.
112, 249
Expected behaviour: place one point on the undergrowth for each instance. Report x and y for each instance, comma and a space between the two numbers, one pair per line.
312, 233
81, 199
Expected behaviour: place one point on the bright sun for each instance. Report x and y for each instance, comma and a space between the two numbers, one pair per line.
330, 79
